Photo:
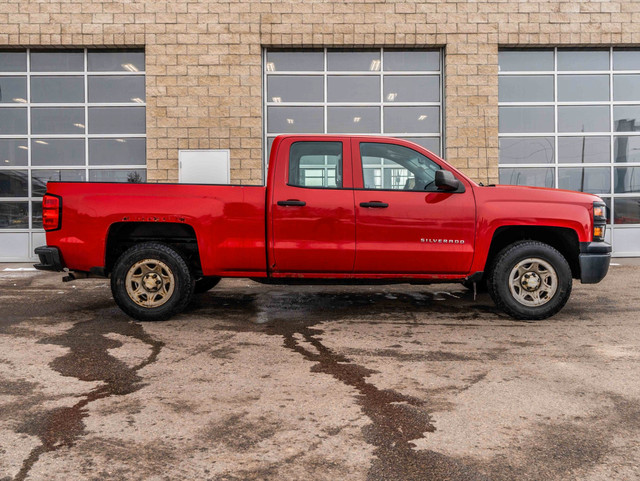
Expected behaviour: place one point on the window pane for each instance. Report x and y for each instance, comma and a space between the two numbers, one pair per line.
290, 88
291, 120
340, 61
39, 179
411, 88
526, 150
411, 60
583, 119
57, 152
626, 87
127, 151
135, 176
57, 61
626, 179
13, 152
269, 144
525, 119
13, 121
361, 120
583, 149
129, 88
36, 215
536, 177
316, 164
115, 60
626, 59
583, 60
525, 60
595, 180
432, 144
306, 61
117, 120
626, 118
14, 215
627, 210
13, 89
389, 166
13, 61
521, 88
13, 183
412, 119
353, 88
576, 88
57, 120
626, 148
57, 89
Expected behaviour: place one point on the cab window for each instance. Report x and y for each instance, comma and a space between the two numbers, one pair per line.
316, 164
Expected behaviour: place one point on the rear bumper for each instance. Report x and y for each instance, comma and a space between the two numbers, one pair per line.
594, 261
50, 259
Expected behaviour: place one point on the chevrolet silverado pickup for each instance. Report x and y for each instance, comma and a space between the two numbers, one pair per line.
335, 209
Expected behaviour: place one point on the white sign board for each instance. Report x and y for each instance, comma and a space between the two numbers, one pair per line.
203, 167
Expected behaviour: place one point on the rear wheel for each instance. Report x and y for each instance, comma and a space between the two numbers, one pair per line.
151, 282
205, 284
530, 280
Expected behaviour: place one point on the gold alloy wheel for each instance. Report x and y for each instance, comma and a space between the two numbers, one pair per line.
533, 282
149, 283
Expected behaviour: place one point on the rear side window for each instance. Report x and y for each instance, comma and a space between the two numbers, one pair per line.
316, 164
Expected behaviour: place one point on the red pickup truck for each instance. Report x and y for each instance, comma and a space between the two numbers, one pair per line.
336, 209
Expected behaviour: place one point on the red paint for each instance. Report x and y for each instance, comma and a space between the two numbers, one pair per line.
237, 227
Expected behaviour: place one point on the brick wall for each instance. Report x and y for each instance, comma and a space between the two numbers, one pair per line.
204, 83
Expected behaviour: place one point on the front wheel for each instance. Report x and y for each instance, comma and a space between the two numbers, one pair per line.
151, 282
530, 280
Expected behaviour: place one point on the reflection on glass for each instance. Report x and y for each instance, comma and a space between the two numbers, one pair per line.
13, 89
626, 180
526, 150
627, 210
117, 120
291, 120
39, 179
36, 215
411, 60
412, 120
626, 87
525, 119
127, 150
57, 89
13, 152
525, 88
626, 59
136, 176
578, 118
534, 176
432, 144
13, 121
306, 61
353, 120
577, 88
353, 88
57, 120
115, 88
595, 180
360, 60
626, 148
316, 164
14, 215
292, 88
528, 60
626, 118
57, 152
582, 150
411, 88
573, 59
57, 61
14, 183
115, 60
13, 61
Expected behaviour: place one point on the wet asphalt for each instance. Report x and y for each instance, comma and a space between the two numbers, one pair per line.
260, 382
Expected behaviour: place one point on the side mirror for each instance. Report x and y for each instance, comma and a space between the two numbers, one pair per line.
446, 181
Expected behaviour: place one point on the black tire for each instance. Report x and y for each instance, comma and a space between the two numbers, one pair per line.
205, 284
171, 273
516, 272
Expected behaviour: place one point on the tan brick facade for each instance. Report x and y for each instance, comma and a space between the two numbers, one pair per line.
203, 58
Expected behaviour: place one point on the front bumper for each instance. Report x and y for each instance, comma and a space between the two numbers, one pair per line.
594, 261
50, 259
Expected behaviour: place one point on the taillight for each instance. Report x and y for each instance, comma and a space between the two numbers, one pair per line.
51, 212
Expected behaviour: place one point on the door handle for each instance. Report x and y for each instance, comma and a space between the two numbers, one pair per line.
374, 204
292, 203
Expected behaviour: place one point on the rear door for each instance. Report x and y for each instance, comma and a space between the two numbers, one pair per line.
312, 207
404, 224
